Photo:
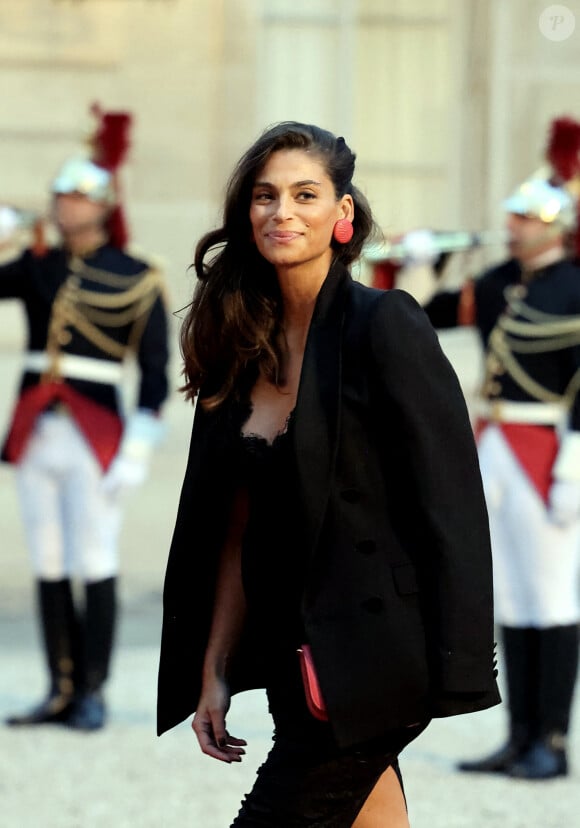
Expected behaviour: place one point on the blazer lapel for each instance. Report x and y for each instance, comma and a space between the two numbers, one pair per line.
318, 403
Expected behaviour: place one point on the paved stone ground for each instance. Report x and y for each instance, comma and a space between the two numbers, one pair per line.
125, 777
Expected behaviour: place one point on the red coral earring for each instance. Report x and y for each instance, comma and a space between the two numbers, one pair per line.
343, 231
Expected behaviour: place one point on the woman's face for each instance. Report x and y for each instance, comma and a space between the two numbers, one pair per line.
294, 209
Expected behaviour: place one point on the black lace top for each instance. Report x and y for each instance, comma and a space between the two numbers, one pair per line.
272, 555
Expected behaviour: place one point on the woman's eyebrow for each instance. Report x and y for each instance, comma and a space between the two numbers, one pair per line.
296, 184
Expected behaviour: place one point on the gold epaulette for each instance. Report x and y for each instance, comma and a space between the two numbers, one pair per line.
534, 332
90, 311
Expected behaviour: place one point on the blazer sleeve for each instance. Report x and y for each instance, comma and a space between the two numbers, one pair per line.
424, 402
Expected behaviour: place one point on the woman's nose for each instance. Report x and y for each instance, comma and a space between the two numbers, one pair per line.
282, 208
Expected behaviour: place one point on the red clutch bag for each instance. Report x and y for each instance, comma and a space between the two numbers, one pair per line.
314, 699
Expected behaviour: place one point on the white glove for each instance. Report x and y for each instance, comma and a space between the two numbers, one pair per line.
564, 502
9, 224
420, 247
123, 475
417, 276
130, 467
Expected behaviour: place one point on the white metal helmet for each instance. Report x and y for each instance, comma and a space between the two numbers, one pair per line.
538, 198
80, 175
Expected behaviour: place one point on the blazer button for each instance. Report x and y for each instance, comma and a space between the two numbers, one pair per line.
373, 604
350, 495
366, 547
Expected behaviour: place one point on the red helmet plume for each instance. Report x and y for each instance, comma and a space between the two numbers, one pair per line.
563, 154
110, 143
563, 150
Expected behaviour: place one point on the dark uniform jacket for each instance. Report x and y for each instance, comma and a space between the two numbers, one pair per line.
531, 331
100, 307
398, 599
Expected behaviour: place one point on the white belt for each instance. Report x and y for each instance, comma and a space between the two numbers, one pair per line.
74, 367
506, 411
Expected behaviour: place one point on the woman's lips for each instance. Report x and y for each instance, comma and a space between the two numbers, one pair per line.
283, 236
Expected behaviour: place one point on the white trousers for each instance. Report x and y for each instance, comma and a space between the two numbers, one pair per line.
71, 525
536, 563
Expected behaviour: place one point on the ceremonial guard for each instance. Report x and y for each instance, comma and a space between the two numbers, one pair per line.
527, 311
89, 305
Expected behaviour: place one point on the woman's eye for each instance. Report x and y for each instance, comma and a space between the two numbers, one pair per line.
265, 196
306, 195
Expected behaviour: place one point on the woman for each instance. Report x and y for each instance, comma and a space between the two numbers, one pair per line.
331, 497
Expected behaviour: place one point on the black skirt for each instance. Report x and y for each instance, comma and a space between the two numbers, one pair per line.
307, 781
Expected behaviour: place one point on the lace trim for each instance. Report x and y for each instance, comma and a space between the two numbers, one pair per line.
254, 437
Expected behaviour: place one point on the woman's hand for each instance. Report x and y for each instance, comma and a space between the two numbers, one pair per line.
209, 724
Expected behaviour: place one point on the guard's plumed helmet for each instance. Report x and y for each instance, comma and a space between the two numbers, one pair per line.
96, 175
81, 175
541, 199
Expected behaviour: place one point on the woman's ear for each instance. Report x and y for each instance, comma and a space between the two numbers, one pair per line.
346, 207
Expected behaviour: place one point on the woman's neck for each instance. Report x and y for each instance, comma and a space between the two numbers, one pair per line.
300, 287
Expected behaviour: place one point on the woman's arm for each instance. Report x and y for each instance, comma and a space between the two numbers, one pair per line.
227, 624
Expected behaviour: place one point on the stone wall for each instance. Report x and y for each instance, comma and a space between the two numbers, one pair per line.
445, 101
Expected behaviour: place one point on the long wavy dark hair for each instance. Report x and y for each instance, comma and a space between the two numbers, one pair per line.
233, 324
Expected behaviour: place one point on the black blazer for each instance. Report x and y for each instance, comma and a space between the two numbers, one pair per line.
398, 601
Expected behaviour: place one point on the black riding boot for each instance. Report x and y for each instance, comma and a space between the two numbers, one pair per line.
546, 757
60, 635
521, 656
99, 628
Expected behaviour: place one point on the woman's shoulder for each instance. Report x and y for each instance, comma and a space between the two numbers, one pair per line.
384, 322
390, 324
375, 306
370, 296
